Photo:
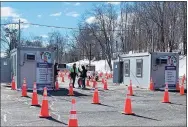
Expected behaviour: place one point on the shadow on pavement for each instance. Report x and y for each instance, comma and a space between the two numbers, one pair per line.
27, 97
146, 117
61, 92
52, 119
173, 91
177, 104
106, 105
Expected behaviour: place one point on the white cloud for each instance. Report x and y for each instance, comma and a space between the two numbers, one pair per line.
39, 16
8, 12
56, 14
44, 36
77, 4
90, 19
73, 14
114, 3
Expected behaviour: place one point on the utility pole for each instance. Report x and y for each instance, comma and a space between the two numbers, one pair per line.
18, 55
152, 40
90, 57
19, 34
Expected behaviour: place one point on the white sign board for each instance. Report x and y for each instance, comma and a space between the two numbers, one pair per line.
44, 74
170, 75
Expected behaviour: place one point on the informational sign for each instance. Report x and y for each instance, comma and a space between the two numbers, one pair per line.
170, 75
44, 74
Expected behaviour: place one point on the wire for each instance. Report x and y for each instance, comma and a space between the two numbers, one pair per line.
60, 27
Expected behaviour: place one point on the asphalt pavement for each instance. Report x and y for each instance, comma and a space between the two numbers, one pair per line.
147, 106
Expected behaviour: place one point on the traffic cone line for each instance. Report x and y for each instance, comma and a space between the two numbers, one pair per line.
151, 86
177, 85
71, 93
128, 106
73, 122
96, 97
13, 84
94, 84
130, 88
56, 85
34, 101
63, 79
24, 88
105, 85
87, 83
44, 112
166, 95
182, 89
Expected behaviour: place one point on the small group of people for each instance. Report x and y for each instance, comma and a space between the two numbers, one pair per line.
83, 74
73, 73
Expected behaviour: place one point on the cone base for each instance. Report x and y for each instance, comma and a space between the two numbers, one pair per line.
25, 96
95, 103
128, 113
166, 102
182, 94
70, 94
106, 89
45, 116
35, 105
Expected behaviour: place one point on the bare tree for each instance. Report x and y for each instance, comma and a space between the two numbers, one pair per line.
106, 22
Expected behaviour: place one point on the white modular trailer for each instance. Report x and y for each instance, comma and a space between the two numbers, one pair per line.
33, 64
162, 67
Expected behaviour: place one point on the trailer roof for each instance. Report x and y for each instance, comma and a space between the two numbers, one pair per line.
135, 54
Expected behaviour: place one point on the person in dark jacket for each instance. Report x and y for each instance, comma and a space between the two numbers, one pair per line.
83, 75
55, 73
73, 73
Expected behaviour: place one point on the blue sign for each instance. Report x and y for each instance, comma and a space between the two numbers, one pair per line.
170, 76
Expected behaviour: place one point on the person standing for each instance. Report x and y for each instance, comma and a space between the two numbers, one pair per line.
83, 76
55, 73
73, 73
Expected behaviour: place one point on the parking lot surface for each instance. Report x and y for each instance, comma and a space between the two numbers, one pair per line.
147, 106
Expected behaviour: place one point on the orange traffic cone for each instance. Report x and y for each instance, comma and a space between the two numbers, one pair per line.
94, 84
166, 95
13, 84
182, 89
87, 83
105, 85
73, 122
130, 89
151, 86
102, 80
24, 88
128, 106
34, 101
96, 97
56, 85
91, 79
71, 93
177, 85
44, 113
63, 78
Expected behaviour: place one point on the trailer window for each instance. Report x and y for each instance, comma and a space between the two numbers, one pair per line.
139, 68
127, 68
